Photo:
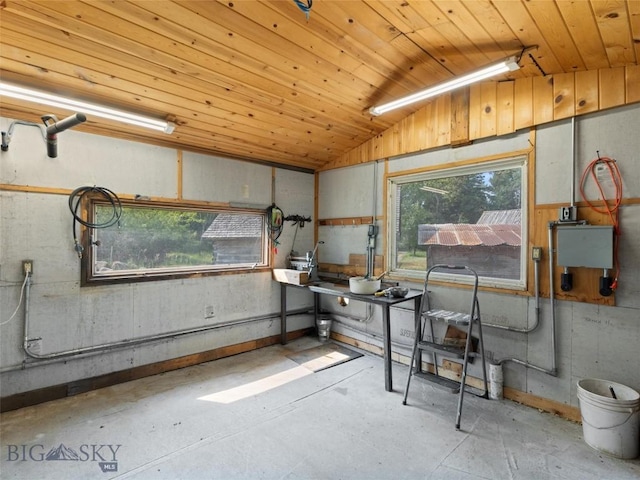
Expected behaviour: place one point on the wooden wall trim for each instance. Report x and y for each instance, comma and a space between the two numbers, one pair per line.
499, 108
123, 196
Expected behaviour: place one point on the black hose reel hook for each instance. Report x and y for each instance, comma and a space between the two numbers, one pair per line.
55, 126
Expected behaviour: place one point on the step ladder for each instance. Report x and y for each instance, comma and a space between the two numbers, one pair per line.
468, 322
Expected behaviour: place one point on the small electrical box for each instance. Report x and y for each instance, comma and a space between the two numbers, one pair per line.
536, 254
589, 246
568, 214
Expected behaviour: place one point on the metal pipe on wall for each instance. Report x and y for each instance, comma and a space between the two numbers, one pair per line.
356, 318
573, 162
371, 250
49, 358
553, 370
549, 371
375, 337
536, 323
552, 301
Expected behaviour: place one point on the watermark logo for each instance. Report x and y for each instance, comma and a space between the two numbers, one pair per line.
105, 455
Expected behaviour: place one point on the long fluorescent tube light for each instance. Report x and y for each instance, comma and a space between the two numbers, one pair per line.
44, 98
508, 65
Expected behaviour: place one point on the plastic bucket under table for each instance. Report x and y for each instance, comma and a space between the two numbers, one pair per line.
610, 417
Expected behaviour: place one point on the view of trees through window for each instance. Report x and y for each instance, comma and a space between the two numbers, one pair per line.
446, 204
171, 238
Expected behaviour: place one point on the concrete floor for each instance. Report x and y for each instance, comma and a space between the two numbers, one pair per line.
280, 421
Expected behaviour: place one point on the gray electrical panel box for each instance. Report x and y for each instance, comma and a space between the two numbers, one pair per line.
588, 246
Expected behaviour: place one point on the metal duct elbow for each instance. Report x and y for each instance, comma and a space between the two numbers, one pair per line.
55, 126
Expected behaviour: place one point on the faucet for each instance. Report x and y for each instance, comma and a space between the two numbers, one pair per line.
312, 258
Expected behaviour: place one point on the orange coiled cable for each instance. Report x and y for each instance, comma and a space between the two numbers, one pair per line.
610, 206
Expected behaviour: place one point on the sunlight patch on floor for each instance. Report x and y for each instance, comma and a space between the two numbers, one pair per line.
259, 386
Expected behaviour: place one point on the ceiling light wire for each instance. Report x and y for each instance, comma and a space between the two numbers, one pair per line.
304, 6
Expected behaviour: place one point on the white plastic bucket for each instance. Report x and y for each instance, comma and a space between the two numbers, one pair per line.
610, 425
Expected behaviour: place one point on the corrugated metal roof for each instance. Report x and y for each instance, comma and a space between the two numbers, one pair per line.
451, 234
501, 217
234, 226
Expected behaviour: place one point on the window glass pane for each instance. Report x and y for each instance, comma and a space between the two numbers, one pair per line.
462, 218
148, 239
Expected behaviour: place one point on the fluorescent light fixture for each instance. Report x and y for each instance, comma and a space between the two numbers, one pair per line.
44, 98
508, 65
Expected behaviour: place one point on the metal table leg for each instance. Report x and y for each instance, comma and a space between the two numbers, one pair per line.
283, 313
386, 328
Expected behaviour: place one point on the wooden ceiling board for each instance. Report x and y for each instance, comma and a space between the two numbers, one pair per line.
278, 53
292, 67
579, 20
634, 21
443, 40
179, 100
525, 28
250, 98
613, 23
239, 114
401, 14
401, 62
493, 24
551, 24
257, 80
460, 16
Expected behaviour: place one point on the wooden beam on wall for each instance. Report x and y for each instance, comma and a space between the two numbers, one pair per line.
459, 117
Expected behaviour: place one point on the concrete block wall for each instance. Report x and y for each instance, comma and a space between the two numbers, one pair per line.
593, 341
36, 225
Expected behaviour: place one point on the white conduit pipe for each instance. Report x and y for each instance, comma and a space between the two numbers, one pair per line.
366, 319
49, 358
536, 281
573, 162
373, 336
371, 257
553, 370
495, 367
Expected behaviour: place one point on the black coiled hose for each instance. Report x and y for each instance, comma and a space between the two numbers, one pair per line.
75, 200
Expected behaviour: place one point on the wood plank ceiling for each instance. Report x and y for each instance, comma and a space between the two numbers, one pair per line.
259, 80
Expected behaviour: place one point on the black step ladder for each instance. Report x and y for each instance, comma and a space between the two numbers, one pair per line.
467, 321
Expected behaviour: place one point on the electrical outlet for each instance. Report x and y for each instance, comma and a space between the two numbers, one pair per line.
209, 312
536, 253
27, 267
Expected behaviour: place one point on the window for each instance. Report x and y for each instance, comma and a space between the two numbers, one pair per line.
166, 241
472, 215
